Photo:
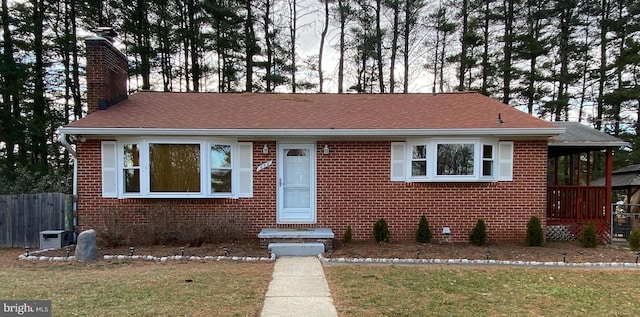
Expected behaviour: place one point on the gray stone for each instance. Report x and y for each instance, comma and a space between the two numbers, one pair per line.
296, 249
86, 249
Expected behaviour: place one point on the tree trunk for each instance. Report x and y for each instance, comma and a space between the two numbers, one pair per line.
508, 50
464, 46
193, 33
484, 88
407, 30
267, 37
293, 32
250, 42
39, 120
10, 94
323, 35
75, 72
379, 45
343, 24
602, 80
394, 44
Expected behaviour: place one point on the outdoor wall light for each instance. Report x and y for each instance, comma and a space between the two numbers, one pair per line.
265, 149
181, 251
26, 249
564, 257
446, 230
326, 149
131, 250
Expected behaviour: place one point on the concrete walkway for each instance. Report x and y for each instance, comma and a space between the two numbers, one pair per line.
298, 288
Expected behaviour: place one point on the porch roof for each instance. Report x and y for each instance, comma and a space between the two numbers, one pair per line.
578, 137
622, 178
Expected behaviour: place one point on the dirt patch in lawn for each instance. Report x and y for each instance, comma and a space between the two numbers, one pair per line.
552, 251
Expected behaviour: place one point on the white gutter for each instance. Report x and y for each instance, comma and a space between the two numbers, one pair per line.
313, 132
65, 142
588, 144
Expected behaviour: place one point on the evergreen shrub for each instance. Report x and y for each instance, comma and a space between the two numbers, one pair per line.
381, 231
478, 235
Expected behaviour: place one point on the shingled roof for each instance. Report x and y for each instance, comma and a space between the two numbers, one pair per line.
578, 137
465, 111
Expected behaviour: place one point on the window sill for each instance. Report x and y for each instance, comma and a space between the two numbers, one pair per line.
453, 180
177, 196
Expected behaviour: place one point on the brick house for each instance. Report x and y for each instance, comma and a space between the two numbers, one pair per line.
307, 160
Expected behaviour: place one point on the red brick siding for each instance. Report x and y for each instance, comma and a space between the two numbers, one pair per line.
353, 188
107, 73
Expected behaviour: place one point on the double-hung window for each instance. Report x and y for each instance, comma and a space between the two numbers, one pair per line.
131, 167
177, 168
451, 160
419, 160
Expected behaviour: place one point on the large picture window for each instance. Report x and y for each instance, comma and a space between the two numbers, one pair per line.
455, 159
174, 168
177, 168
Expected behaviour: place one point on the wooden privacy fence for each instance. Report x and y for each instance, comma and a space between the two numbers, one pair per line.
24, 216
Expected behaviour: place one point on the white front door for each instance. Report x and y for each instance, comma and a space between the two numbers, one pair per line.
296, 183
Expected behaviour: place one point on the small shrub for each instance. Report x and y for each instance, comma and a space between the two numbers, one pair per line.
535, 234
166, 227
588, 238
112, 230
348, 235
634, 240
423, 234
478, 235
381, 231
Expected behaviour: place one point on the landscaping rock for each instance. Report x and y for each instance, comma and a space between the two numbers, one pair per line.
86, 249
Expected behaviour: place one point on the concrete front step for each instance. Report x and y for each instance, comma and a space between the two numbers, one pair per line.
296, 249
302, 235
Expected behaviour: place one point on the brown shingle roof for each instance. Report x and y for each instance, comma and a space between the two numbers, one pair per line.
166, 110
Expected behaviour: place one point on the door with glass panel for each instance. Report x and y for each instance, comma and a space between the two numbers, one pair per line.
296, 183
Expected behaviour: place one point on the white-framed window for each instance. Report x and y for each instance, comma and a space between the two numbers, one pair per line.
178, 168
455, 159
131, 167
418, 160
488, 161
452, 160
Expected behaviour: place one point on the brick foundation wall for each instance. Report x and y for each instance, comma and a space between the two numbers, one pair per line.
353, 188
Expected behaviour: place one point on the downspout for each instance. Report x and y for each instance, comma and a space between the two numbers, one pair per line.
74, 196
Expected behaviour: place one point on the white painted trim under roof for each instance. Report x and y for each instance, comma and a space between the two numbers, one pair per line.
542, 132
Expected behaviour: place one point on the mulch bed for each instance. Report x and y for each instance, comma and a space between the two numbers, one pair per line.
554, 251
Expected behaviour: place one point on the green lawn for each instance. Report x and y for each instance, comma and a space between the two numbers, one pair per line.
141, 288
482, 291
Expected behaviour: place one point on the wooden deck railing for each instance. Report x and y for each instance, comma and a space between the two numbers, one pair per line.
577, 204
